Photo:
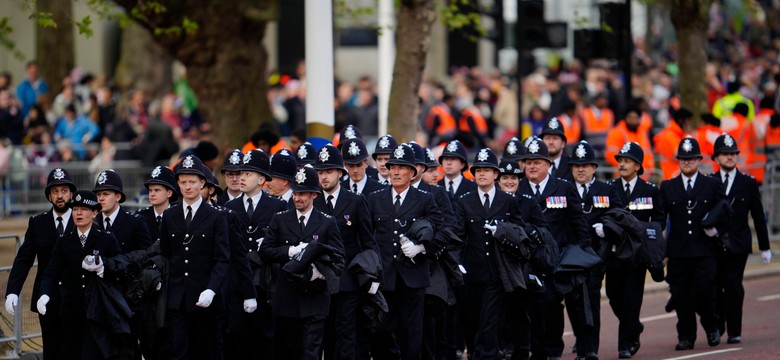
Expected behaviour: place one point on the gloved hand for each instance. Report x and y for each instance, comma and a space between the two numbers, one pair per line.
316, 274
490, 227
374, 288
10, 303
93, 264
295, 250
711, 232
41, 305
260, 242
411, 249
599, 227
205, 298
766, 256
250, 305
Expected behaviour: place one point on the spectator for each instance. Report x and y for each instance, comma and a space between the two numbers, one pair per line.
31, 88
79, 130
365, 113
297, 139
11, 118
63, 99
136, 112
35, 124
294, 94
106, 108
5, 80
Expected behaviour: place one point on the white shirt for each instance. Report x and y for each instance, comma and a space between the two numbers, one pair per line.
417, 184
255, 200
360, 184
631, 184
305, 215
403, 195
491, 195
288, 195
542, 185
556, 165
86, 234
335, 195
156, 214
455, 183
382, 179
685, 181
194, 206
112, 217
231, 197
588, 185
732, 175
65, 217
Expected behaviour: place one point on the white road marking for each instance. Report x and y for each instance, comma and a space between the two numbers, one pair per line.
769, 297
658, 317
708, 353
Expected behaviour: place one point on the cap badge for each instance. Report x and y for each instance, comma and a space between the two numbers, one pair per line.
384, 143
102, 178
687, 146
509, 166
156, 172
354, 150
234, 159
511, 148
300, 177
483, 155
188, 162
430, 155
284, 152
349, 133
553, 123
247, 157
399, 152
452, 146
580, 152
728, 140
59, 174
626, 148
302, 152
533, 147
324, 155
78, 197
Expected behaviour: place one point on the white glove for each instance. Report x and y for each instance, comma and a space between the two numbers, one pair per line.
711, 232
411, 250
89, 264
250, 305
11, 300
41, 305
205, 298
374, 288
295, 250
316, 274
599, 227
492, 228
259, 242
766, 256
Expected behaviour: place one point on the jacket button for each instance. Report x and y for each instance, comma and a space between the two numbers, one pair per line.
395, 244
186, 274
487, 232
486, 243
394, 256
689, 211
689, 222
186, 261
82, 276
186, 248
83, 286
690, 232
487, 254
250, 250
395, 231
59, 283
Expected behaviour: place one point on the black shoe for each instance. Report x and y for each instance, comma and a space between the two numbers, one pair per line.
734, 340
684, 345
634, 348
713, 338
591, 356
624, 354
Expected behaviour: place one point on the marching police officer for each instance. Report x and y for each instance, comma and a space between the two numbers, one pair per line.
301, 305
509, 175
743, 194
393, 211
195, 240
163, 190
282, 169
595, 199
553, 136
343, 337
384, 148
559, 202
231, 172
453, 161
625, 282
39, 239
71, 273
692, 249
356, 158
129, 229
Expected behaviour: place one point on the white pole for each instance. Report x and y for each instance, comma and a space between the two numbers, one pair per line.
386, 59
319, 71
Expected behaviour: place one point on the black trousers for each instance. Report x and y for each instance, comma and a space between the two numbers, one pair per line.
248, 336
730, 294
51, 332
341, 335
299, 339
546, 322
692, 285
194, 335
517, 305
587, 336
401, 332
484, 303
625, 289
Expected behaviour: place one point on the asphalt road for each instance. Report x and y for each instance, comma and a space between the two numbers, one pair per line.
760, 329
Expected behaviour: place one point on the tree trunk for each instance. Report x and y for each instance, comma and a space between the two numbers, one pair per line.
690, 19
225, 60
54, 46
143, 64
415, 19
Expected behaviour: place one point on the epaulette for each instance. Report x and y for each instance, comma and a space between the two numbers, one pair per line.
282, 212
326, 215
562, 179
527, 196
373, 192
512, 194
464, 195
36, 215
651, 184
135, 215
423, 191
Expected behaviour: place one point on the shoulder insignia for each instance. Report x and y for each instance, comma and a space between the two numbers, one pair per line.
527, 196
36, 215
283, 211
562, 179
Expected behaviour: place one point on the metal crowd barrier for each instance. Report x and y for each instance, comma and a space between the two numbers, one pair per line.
20, 333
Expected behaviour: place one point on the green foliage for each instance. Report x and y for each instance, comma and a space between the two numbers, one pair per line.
463, 14
44, 19
84, 26
5, 39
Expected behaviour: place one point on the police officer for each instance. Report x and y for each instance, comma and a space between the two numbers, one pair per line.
513, 150
195, 240
384, 148
39, 239
351, 132
453, 161
300, 306
163, 190
691, 249
130, 229
595, 199
743, 194
477, 211
509, 175
393, 211
282, 169
343, 337
559, 202
553, 136
306, 155
356, 158
71, 273
231, 172
625, 282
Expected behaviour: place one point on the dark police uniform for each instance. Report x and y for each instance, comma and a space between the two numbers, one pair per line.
353, 151
692, 254
130, 229
562, 169
455, 149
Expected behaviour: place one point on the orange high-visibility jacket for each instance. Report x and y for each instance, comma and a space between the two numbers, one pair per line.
666, 143
477, 126
596, 123
446, 123
571, 128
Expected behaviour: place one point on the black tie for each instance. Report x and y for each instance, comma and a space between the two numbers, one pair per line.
486, 204
628, 191
159, 219
300, 219
584, 191
452, 188
188, 219
354, 188
83, 239
726, 180
330, 204
108, 224
554, 168
690, 186
538, 191
60, 228
397, 203
250, 208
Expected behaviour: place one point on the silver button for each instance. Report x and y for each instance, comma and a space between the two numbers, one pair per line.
690, 232
487, 232
83, 286
186, 261
487, 254
82, 276
486, 243
394, 256
689, 222
186, 248
186, 274
395, 232
395, 244
59, 283
689, 211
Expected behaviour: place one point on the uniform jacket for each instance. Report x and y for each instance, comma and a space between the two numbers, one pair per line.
478, 254
148, 215
600, 198
566, 221
199, 256
389, 225
130, 230
563, 171
465, 186
685, 236
38, 242
371, 185
644, 201
745, 197
241, 277
351, 215
283, 232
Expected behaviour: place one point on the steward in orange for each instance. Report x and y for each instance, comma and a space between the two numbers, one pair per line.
755, 137
472, 122
597, 120
440, 124
736, 125
772, 138
628, 130
572, 124
667, 140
